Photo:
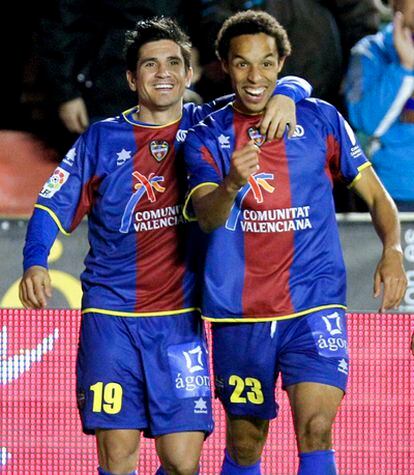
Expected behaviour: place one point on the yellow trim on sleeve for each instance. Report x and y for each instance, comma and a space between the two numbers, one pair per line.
54, 217
116, 313
187, 200
270, 319
358, 177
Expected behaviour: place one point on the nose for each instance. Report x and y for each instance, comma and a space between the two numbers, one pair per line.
253, 74
163, 70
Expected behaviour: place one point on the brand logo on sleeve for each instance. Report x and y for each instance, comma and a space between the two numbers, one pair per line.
255, 135
159, 149
54, 183
70, 157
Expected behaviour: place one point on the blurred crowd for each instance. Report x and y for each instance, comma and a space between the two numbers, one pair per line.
67, 68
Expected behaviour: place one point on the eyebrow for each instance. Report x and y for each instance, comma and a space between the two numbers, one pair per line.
238, 56
154, 58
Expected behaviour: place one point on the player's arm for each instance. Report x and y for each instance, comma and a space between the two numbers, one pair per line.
280, 111
35, 286
212, 203
390, 272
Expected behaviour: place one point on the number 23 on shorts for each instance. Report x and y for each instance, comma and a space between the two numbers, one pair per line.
246, 390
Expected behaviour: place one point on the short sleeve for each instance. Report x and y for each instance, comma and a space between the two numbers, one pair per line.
202, 168
345, 155
65, 195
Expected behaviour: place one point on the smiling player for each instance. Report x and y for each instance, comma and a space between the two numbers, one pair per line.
142, 363
274, 278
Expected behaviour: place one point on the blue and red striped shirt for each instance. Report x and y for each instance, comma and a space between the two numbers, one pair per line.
278, 254
130, 179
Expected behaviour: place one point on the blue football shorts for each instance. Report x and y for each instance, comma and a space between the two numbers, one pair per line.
144, 373
248, 358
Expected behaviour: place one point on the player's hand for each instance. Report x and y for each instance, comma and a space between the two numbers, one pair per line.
35, 287
391, 275
244, 162
74, 115
280, 113
403, 41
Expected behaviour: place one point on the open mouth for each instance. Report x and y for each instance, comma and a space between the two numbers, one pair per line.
254, 94
163, 87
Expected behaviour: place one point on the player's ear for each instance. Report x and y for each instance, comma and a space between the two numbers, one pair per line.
189, 77
225, 66
131, 80
281, 63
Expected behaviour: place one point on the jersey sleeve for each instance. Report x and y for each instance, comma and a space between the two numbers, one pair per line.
66, 195
292, 86
40, 236
202, 168
345, 156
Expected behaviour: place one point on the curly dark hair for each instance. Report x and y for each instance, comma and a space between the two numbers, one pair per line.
154, 29
251, 22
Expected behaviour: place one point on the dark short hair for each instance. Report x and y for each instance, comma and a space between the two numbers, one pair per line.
251, 22
155, 29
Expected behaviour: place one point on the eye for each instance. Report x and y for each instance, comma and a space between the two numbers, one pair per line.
241, 65
149, 64
268, 64
174, 62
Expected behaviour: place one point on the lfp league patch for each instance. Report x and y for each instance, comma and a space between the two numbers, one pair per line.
189, 369
54, 183
330, 334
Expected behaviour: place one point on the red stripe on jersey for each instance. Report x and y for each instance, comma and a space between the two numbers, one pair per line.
267, 288
160, 258
86, 200
332, 165
206, 154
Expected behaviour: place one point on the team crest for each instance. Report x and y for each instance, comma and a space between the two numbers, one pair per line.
255, 135
159, 149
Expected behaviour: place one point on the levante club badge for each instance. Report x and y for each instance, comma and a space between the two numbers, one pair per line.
255, 135
159, 149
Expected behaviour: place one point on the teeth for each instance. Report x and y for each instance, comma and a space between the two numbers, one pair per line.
255, 91
163, 86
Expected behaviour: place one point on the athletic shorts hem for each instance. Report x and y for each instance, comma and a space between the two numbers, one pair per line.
153, 434
92, 430
314, 380
239, 413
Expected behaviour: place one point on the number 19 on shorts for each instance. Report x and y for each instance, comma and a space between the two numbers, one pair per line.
107, 397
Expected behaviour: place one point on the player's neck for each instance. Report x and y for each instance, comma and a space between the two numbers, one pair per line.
159, 117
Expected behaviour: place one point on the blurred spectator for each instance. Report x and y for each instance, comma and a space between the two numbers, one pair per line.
81, 46
379, 94
321, 32
17, 23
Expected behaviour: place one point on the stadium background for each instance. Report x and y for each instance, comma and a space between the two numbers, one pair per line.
39, 426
